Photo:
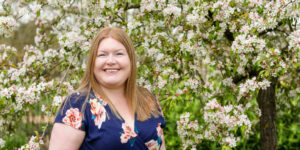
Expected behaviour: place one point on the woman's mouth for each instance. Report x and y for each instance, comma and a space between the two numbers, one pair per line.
111, 70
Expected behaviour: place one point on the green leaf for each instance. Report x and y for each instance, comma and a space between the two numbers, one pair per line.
38, 13
36, 134
225, 147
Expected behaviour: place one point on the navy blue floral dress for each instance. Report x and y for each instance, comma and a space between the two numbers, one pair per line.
105, 131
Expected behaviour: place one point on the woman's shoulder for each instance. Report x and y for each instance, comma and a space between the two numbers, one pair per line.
70, 112
76, 99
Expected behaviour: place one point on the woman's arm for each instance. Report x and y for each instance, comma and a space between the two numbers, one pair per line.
65, 137
163, 145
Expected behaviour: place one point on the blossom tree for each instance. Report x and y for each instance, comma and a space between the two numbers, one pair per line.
227, 55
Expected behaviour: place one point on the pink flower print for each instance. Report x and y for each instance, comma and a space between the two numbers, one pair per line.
101, 117
152, 145
98, 112
103, 102
73, 118
155, 144
124, 138
127, 134
159, 130
95, 106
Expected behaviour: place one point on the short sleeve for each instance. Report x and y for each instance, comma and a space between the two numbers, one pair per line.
163, 123
70, 112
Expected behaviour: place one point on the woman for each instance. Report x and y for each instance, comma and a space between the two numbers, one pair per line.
108, 110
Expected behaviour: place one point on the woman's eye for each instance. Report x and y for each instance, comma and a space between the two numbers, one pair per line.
101, 55
119, 53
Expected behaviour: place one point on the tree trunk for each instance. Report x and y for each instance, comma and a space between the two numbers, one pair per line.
267, 105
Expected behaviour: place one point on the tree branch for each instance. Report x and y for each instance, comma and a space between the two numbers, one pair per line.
252, 73
132, 6
229, 35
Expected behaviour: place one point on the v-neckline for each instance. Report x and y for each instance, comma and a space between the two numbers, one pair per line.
122, 119
131, 127
126, 123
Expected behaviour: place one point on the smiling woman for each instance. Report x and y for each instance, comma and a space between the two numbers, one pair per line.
108, 110
112, 64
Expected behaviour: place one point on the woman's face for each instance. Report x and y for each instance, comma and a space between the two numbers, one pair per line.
112, 64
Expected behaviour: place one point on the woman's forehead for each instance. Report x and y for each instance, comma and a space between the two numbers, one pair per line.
110, 44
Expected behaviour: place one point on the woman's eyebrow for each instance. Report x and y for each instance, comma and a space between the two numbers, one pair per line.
104, 50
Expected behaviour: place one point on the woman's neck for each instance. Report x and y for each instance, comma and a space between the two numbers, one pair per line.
118, 98
114, 93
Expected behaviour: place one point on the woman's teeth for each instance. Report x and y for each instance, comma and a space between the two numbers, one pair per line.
112, 70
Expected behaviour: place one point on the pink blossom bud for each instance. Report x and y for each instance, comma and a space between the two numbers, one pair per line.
267, 65
36, 22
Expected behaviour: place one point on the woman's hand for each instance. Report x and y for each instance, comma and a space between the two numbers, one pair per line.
65, 137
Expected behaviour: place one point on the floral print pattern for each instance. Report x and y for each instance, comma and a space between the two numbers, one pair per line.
73, 118
127, 134
148, 136
153, 145
159, 130
156, 144
98, 111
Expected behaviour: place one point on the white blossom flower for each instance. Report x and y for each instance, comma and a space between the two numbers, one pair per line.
43, 108
161, 82
264, 84
247, 44
2, 143
148, 5
228, 108
57, 100
172, 9
160, 56
228, 82
7, 26
231, 141
33, 144
294, 40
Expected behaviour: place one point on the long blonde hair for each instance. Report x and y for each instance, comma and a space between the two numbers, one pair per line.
140, 100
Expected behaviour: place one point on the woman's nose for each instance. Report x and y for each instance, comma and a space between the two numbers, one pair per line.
110, 59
